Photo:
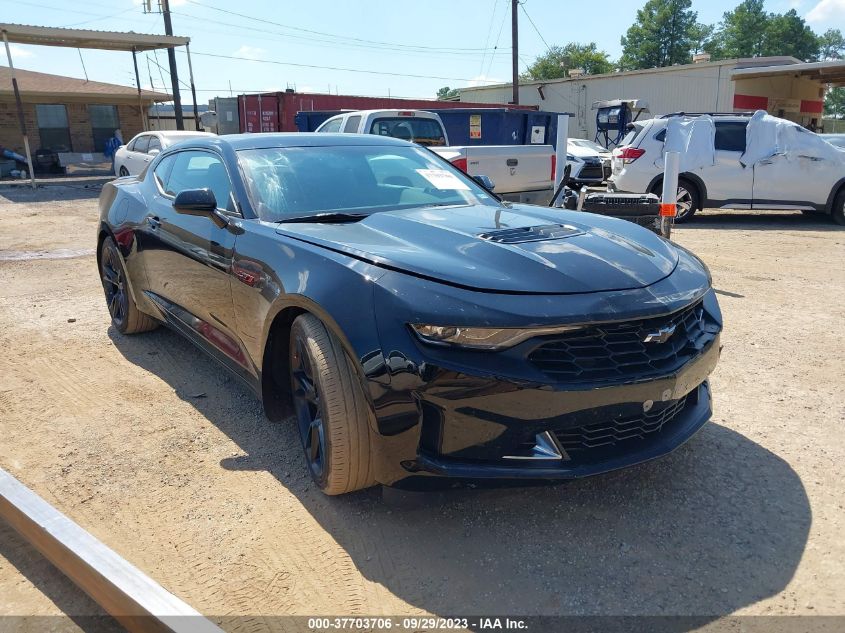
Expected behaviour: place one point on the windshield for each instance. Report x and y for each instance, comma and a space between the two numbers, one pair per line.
287, 182
417, 130
588, 144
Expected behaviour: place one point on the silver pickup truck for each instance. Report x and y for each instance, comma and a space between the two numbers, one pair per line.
520, 173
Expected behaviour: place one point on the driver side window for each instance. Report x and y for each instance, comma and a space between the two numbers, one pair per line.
194, 169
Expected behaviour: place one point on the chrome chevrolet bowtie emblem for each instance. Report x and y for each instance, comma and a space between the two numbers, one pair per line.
660, 336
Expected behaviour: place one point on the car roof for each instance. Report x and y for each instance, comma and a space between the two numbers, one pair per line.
177, 133
300, 139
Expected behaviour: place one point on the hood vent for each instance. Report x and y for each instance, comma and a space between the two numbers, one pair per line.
531, 234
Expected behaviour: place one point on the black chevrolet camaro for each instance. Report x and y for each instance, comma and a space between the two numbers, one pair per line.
414, 326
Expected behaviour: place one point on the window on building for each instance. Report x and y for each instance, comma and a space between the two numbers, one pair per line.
53, 127
104, 122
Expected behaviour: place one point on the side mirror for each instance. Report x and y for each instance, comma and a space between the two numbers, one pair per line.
485, 182
195, 202
199, 202
154, 152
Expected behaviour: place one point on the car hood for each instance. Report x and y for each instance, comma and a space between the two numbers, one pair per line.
472, 247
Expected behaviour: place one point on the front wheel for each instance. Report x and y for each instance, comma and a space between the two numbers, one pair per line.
332, 412
123, 171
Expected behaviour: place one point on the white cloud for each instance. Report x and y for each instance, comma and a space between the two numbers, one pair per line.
826, 10
249, 52
484, 80
19, 52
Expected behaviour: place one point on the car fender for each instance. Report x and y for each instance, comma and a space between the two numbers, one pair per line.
834, 191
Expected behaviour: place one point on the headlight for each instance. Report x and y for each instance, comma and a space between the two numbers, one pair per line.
484, 338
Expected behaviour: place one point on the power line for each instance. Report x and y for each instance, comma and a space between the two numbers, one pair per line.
105, 17
337, 68
525, 11
324, 42
498, 37
333, 35
489, 33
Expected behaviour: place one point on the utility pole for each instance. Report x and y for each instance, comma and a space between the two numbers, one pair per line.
171, 57
514, 50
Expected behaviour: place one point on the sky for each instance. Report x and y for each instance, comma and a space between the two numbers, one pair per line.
373, 47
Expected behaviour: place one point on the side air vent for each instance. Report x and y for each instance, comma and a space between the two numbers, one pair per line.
531, 234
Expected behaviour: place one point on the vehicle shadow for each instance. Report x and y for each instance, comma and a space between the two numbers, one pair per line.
77, 607
762, 221
718, 525
71, 191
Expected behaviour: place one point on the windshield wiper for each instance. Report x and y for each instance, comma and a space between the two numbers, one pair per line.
326, 217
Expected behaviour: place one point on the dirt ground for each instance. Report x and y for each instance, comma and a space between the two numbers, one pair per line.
149, 445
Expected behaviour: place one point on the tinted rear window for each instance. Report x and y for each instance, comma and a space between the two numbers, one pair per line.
423, 131
730, 136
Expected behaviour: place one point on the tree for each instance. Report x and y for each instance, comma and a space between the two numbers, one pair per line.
834, 103
742, 32
788, 34
446, 93
660, 36
831, 45
700, 35
559, 60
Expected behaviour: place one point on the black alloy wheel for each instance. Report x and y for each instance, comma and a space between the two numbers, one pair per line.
125, 316
309, 413
333, 415
114, 284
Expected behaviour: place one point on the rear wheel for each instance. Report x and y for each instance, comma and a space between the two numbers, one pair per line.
332, 414
123, 171
125, 316
837, 213
688, 199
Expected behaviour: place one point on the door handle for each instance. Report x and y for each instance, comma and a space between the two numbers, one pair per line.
153, 221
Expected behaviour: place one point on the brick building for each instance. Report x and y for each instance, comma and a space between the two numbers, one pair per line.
65, 114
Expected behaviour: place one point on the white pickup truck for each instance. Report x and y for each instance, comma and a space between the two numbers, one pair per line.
520, 173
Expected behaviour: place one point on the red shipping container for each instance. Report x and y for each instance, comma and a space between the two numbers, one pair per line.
278, 109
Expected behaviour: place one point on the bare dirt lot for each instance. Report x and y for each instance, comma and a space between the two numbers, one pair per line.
149, 445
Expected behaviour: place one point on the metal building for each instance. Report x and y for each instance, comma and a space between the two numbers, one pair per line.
784, 86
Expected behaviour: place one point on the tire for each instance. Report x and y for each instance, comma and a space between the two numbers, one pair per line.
837, 213
332, 413
123, 171
689, 199
125, 316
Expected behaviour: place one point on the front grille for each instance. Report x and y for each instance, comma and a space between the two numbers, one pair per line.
591, 172
616, 352
620, 430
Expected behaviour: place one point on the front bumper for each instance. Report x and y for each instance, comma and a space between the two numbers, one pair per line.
508, 420
448, 413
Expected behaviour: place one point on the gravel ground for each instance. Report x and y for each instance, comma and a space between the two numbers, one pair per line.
150, 446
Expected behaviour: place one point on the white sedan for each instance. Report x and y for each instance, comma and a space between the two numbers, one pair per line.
132, 158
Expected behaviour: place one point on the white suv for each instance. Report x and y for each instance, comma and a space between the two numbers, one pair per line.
782, 181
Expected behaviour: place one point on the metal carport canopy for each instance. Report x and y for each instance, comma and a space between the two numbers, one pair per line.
831, 72
86, 38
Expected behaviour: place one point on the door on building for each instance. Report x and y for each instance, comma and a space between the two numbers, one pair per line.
104, 123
